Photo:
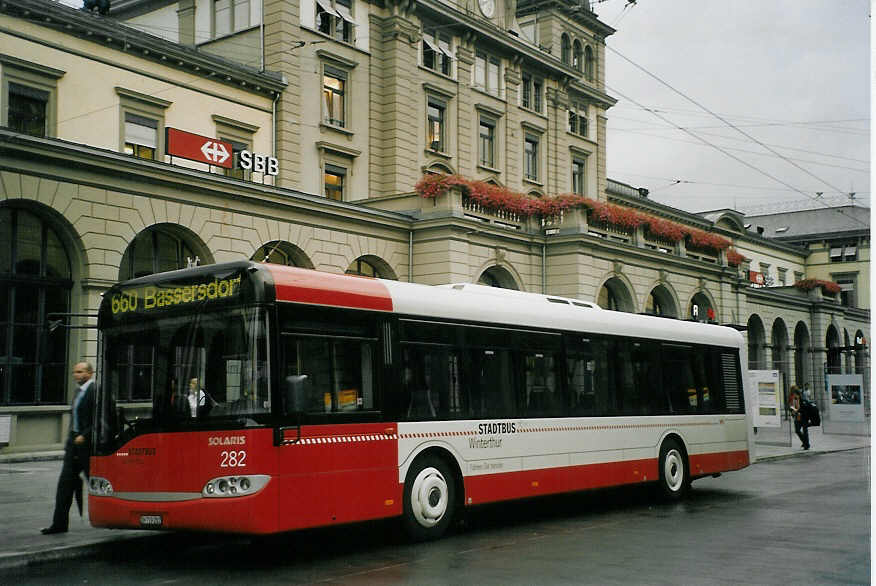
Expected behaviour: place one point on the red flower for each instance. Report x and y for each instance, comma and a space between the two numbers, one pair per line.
826, 286
496, 198
734, 258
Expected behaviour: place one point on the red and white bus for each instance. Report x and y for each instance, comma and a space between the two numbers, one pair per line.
274, 398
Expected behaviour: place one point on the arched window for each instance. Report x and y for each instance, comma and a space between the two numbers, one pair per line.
589, 63
701, 308
660, 302
155, 250
615, 296
781, 361
498, 277
834, 352
363, 268
565, 54
756, 344
35, 284
801, 354
576, 55
282, 253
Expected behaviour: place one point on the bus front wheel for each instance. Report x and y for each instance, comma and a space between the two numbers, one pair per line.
674, 475
429, 498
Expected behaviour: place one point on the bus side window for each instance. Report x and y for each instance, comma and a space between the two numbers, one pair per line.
649, 398
541, 395
421, 403
340, 372
678, 378
490, 378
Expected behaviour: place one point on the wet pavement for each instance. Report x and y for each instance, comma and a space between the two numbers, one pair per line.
27, 490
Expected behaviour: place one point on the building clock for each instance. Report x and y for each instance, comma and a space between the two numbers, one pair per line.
487, 7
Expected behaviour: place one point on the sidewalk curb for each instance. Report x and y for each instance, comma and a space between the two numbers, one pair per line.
807, 454
21, 560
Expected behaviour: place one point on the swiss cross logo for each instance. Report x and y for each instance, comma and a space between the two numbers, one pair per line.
204, 149
215, 152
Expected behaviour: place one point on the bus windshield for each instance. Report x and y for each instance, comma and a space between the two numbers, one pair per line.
191, 371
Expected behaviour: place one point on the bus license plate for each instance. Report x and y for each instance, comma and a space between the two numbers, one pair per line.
150, 521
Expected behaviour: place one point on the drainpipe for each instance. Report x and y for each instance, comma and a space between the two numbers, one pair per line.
274, 129
544, 268
410, 256
262, 31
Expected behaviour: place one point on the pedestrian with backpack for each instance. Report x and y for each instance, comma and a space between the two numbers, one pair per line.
801, 419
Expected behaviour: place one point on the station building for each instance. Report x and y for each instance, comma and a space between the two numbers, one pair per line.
421, 141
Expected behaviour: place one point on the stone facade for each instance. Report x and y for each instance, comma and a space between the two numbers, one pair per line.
100, 201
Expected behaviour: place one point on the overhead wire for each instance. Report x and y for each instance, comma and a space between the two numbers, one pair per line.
726, 122
731, 155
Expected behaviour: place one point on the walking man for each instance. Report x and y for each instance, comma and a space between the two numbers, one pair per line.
77, 449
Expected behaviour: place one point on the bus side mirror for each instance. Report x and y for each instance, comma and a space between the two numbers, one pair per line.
296, 393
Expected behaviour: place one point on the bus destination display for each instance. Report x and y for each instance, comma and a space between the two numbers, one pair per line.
148, 298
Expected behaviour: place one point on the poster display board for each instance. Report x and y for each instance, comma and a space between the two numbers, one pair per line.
767, 385
845, 393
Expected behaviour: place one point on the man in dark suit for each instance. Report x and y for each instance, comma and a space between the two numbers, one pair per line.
77, 449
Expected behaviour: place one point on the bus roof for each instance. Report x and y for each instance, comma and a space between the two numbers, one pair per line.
477, 303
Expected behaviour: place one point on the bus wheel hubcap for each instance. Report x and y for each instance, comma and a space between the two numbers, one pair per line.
429, 497
673, 470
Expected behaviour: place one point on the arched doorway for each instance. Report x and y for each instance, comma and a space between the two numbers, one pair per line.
35, 288
615, 296
499, 277
371, 266
860, 352
661, 302
701, 308
834, 353
282, 253
801, 355
780, 352
162, 247
756, 344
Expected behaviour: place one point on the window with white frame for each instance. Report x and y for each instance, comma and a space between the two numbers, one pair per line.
487, 141
141, 124
576, 55
335, 19
437, 53
486, 72
579, 174
334, 82
531, 157
532, 92
843, 251
589, 63
333, 180
141, 136
230, 16
848, 283
436, 111
28, 96
578, 123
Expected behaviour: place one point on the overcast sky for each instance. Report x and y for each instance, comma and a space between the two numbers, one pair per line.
792, 74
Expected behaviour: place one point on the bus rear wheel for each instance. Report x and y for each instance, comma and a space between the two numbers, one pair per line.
429, 499
674, 475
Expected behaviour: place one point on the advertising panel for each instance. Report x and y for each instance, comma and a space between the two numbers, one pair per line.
845, 397
767, 383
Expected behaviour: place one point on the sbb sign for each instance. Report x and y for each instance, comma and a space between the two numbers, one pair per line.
217, 152
259, 163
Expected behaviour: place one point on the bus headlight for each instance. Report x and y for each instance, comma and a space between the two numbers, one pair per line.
98, 486
231, 486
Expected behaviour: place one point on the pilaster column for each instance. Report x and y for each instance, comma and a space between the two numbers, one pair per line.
281, 39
